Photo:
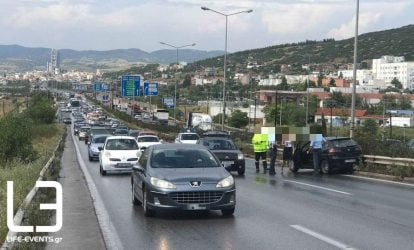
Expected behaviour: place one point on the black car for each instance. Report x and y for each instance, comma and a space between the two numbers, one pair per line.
184, 177
226, 151
338, 154
77, 126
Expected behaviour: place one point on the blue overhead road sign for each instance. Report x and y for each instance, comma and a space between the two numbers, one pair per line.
168, 102
150, 88
130, 85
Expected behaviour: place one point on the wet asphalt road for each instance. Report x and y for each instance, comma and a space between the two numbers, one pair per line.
281, 212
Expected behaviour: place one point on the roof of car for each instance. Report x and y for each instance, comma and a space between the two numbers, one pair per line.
120, 137
178, 146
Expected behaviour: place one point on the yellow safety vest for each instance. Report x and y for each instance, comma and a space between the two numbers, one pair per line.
260, 142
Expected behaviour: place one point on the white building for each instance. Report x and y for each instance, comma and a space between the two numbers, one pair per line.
389, 67
270, 82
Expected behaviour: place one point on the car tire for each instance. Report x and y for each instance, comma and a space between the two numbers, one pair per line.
228, 212
135, 201
101, 170
147, 212
241, 170
325, 168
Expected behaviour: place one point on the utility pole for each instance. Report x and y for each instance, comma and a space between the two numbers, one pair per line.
275, 109
307, 93
351, 132
255, 107
331, 102
390, 125
281, 107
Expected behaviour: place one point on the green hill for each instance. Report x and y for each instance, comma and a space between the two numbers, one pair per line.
397, 42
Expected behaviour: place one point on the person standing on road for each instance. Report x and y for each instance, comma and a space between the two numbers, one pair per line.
287, 154
316, 147
260, 146
273, 155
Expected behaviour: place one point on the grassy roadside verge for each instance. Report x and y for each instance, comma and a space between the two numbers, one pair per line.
24, 175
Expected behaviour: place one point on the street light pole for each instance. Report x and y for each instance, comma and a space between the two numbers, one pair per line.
351, 132
225, 57
176, 70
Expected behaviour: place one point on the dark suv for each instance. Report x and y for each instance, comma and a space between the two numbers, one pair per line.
226, 151
338, 154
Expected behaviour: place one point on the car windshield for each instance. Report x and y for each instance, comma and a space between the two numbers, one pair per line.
148, 139
121, 144
84, 129
219, 144
100, 139
343, 143
182, 158
189, 137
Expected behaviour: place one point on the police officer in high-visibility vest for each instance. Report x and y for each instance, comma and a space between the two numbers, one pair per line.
260, 146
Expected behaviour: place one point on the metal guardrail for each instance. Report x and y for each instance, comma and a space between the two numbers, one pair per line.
388, 161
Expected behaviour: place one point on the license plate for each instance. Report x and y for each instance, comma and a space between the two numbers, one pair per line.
123, 165
351, 160
227, 163
195, 207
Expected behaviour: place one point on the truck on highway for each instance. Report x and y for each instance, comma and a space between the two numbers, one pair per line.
201, 121
161, 115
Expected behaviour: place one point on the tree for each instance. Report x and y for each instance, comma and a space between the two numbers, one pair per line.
283, 85
320, 78
341, 76
396, 83
187, 81
370, 127
238, 119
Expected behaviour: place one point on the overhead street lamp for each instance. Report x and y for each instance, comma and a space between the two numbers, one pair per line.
225, 56
176, 70
351, 132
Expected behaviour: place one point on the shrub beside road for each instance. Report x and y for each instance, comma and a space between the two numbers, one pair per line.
27, 142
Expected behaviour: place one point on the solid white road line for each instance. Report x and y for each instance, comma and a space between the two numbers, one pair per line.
110, 235
323, 188
379, 180
321, 237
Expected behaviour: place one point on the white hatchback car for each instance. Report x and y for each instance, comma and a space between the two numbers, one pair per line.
119, 153
144, 141
187, 138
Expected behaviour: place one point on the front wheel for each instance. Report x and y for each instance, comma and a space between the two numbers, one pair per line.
147, 211
101, 170
135, 201
325, 168
228, 212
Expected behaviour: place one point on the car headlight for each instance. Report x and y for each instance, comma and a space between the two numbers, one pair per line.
240, 156
226, 182
107, 154
139, 153
161, 183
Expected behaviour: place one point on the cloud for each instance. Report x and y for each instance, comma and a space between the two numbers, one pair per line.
105, 24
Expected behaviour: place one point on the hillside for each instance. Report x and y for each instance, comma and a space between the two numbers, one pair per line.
15, 58
397, 42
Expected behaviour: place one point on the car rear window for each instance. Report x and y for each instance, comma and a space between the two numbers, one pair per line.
189, 137
100, 139
148, 139
182, 158
343, 143
219, 144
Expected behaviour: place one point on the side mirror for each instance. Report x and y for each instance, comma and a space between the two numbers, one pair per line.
89, 143
100, 148
138, 168
162, 141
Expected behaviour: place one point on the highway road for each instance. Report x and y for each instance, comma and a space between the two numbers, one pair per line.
300, 211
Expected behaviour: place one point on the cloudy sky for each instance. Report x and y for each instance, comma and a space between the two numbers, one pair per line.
112, 24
